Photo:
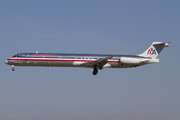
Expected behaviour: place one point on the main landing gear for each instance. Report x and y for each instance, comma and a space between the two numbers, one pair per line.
95, 71
13, 69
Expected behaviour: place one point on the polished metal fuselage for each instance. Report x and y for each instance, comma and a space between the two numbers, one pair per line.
69, 60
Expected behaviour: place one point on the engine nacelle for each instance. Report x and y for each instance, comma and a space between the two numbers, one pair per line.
77, 63
128, 60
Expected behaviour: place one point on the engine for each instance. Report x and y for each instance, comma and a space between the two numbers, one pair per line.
128, 60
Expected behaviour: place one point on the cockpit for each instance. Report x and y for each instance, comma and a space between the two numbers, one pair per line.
20, 55
15, 55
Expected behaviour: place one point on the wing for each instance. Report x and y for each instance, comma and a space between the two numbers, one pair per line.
98, 64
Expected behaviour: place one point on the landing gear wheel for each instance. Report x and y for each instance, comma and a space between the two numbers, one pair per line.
13, 69
95, 71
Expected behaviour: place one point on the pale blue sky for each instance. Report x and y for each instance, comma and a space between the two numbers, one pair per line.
94, 26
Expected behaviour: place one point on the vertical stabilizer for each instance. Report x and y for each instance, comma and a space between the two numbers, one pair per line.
154, 50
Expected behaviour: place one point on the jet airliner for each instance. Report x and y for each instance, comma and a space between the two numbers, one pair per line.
94, 61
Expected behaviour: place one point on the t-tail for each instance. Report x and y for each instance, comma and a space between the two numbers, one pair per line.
154, 50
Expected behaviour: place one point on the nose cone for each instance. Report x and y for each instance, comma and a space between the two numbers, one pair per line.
6, 61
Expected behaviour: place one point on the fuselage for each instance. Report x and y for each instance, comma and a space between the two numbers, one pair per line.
95, 61
75, 60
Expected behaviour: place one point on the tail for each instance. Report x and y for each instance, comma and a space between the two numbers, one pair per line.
154, 50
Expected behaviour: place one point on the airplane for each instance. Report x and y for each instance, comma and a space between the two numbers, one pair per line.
94, 61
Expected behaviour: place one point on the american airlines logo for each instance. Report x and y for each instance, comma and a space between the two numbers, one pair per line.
151, 51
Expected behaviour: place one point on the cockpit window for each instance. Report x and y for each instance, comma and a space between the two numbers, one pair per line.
15, 55
18, 55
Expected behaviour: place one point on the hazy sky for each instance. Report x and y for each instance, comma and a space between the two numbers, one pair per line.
94, 26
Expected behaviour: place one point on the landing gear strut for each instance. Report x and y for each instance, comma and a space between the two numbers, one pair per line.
95, 71
13, 69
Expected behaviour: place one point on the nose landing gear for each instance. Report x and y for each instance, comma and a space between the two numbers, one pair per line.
13, 69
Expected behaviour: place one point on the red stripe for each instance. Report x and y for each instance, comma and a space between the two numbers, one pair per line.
55, 60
